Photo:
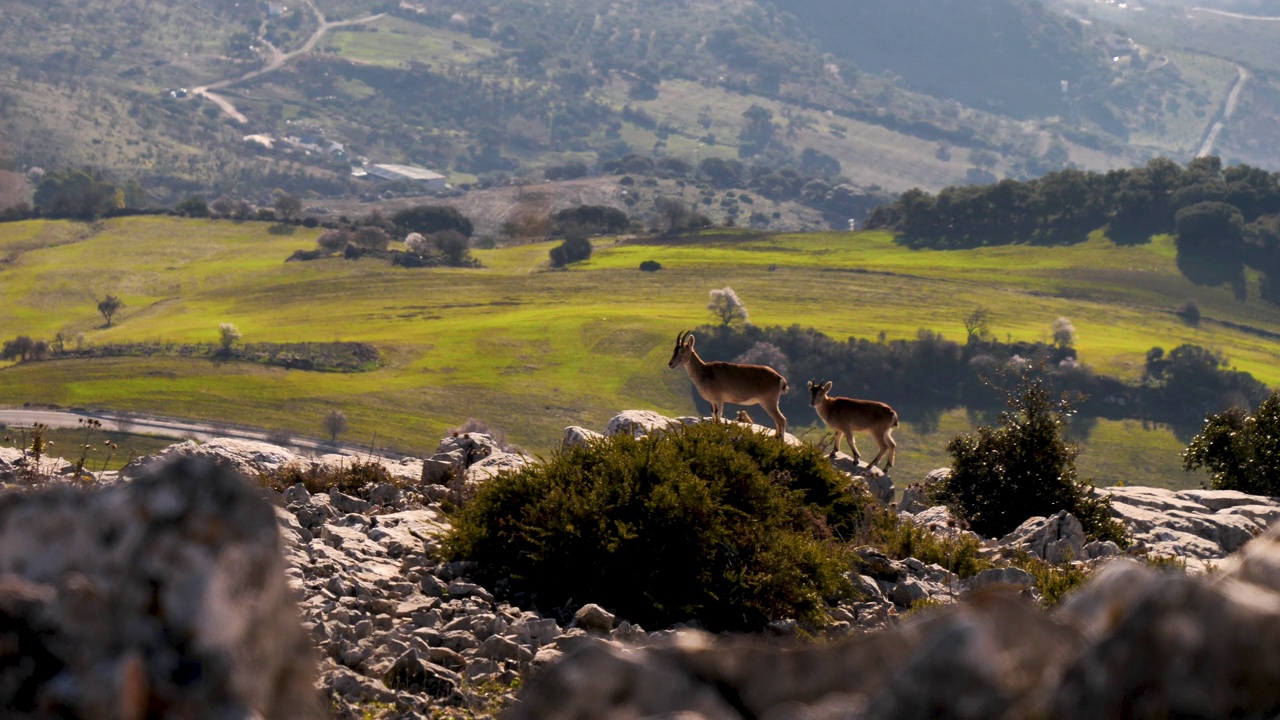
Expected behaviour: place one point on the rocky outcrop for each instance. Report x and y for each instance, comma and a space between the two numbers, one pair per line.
1198, 527
166, 595
1135, 642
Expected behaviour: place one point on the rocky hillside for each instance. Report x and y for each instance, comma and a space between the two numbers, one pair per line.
203, 593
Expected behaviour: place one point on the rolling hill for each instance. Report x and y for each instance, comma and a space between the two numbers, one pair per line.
531, 350
900, 94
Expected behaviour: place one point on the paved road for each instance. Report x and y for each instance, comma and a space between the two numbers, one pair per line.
166, 427
1228, 109
276, 61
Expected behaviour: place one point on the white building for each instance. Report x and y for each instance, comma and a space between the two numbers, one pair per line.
431, 181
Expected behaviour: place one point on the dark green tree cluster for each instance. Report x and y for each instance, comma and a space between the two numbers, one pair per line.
1240, 449
1023, 467
593, 219
710, 522
575, 248
930, 374
1225, 218
430, 219
81, 194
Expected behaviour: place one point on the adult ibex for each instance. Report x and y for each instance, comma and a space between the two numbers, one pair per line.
722, 382
846, 415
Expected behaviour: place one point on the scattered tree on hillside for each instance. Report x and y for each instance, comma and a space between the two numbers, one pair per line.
19, 348
1241, 450
428, 219
977, 324
575, 248
1064, 333
453, 245
417, 244
228, 335
108, 307
335, 423
79, 194
333, 241
372, 238
727, 307
192, 206
287, 207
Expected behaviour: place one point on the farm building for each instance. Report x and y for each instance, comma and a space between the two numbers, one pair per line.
431, 180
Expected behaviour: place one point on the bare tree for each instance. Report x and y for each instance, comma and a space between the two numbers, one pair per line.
727, 307
108, 307
977, 323
335, 423
287, 206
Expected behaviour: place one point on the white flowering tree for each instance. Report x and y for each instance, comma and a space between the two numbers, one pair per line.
727, 307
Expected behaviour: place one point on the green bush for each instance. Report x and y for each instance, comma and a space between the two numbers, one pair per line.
900, 539
710, 522
572, 250
1240, 450
1025, 467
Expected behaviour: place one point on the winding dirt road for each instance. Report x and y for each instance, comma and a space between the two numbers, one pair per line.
277, 60
1228, 109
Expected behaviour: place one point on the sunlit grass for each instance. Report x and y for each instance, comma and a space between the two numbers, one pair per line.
531, 350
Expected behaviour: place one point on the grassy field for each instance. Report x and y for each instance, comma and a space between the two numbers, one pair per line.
530, 350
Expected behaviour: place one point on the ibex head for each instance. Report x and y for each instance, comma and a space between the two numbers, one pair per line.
817, 392
684, 347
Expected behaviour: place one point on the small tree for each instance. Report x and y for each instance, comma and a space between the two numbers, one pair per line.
574, 249
727, 307
453, 245
977, 324
335, 423
372, 238
108, 306
333, 240
1023, 468
1064, 333
417, 244
227, 337
287, 206
18, 348
1241, 450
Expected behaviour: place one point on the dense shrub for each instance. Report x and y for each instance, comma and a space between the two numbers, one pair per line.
353, 479
572, 250
650, 266
1241, 450
1025, 467
711, 521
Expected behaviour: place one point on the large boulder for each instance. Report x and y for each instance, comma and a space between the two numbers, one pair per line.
246, 457
1057, 538
165, 593
638, 423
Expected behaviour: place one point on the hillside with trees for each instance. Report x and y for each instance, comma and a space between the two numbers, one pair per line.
491, 92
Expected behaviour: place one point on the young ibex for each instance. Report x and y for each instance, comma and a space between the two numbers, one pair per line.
846, 415
721, 382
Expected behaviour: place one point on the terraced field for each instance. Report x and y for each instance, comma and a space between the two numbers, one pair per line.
530, 350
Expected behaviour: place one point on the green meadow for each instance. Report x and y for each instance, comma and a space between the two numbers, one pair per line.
530, 350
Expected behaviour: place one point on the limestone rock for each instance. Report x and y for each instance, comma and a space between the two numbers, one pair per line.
638, 423
1057, 538
575, 436
168, 592
593, 618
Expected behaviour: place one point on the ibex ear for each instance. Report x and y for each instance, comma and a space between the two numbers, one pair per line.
688, 341
811, 386
827, 386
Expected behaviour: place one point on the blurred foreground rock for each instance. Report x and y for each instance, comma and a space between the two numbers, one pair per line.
1135, 642
162, 597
